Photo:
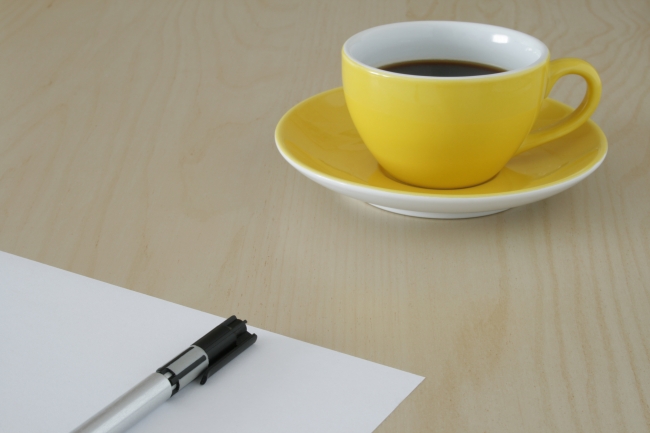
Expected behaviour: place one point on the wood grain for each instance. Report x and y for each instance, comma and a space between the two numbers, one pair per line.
136, 147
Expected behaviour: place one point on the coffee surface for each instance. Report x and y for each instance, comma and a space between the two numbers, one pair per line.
441, 68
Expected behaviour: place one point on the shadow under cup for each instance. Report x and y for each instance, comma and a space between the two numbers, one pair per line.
444, 132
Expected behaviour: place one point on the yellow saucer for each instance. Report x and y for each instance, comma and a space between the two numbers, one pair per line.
318, 138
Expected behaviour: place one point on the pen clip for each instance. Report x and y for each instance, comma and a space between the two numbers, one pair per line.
224, 343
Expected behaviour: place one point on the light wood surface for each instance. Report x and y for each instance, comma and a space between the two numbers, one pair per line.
136, 147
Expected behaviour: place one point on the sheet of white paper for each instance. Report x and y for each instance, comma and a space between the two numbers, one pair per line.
69, 345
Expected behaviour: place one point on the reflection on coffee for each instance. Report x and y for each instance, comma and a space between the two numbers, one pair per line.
441, 68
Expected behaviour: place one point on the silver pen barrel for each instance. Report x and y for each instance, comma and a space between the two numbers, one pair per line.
130, 407
147, 395
205, 357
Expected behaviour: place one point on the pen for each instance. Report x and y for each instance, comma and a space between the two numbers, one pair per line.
203, 358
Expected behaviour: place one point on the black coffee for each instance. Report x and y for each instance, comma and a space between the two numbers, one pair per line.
441, 68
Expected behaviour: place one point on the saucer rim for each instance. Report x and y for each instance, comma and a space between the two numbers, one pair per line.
577, 176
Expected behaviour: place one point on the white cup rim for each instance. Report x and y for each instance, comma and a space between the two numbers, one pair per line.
530, 45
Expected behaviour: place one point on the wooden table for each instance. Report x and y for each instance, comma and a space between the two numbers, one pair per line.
136, 147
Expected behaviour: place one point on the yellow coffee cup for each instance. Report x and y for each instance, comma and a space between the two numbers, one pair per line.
454, 132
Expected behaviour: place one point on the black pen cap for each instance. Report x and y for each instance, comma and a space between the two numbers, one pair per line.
224, 343
222, 339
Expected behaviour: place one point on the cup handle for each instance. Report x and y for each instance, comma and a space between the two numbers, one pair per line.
557, 69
